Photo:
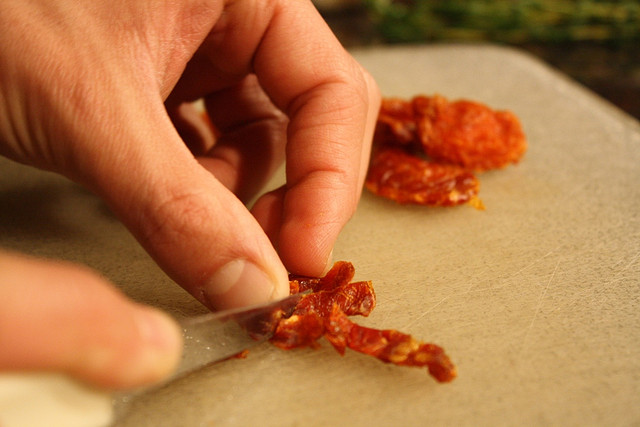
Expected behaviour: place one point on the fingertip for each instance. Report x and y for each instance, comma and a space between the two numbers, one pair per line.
241, 282
304, 241
281, 280
328, 264
147, 354
162, 338
69, 319
307, 256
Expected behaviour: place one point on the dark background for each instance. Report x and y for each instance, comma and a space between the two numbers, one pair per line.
609, 68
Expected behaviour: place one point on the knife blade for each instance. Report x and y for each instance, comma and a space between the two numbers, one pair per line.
217, 336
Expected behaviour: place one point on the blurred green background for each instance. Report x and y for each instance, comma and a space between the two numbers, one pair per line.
595, 42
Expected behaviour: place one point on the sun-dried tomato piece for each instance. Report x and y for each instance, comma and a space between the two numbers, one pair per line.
396, 123
467, 133
324, 313
306, 325
357, 298
389, 346
341, 274
299, 330
461, 133
404, 178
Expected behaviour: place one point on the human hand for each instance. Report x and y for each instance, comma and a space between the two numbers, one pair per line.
58, 316
99, 92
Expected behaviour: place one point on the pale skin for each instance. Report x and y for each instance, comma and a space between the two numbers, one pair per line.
96, 89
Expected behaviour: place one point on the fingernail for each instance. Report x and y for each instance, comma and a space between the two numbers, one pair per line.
329, 263
162, 345
240, 283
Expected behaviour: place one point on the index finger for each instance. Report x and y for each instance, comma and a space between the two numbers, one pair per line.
331, 104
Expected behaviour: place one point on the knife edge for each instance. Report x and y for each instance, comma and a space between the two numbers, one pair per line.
217, 336
213, 337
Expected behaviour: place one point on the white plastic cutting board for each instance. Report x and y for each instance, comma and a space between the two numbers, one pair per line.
535, 299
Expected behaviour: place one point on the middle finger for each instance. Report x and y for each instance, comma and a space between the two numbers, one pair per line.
252, 137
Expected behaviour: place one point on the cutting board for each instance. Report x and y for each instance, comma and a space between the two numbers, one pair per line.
536, 299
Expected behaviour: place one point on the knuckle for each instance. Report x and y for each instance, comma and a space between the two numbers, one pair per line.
176, 216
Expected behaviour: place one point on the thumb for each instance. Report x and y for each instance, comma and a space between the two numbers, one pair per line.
200, 233
62, 317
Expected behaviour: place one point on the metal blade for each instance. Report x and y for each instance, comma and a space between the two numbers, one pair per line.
217, 336
214, 337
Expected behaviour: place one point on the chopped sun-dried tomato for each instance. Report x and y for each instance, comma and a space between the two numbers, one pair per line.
397, 123
324, 313
341, 274
307, 322
404, 178
389, 346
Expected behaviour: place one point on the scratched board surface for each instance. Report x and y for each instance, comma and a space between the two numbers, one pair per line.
535, 299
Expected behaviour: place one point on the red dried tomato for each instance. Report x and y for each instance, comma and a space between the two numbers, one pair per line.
468, 133
396, 123
324, 313
389, 346
307, 322
463, 133
399, 176
340, 275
